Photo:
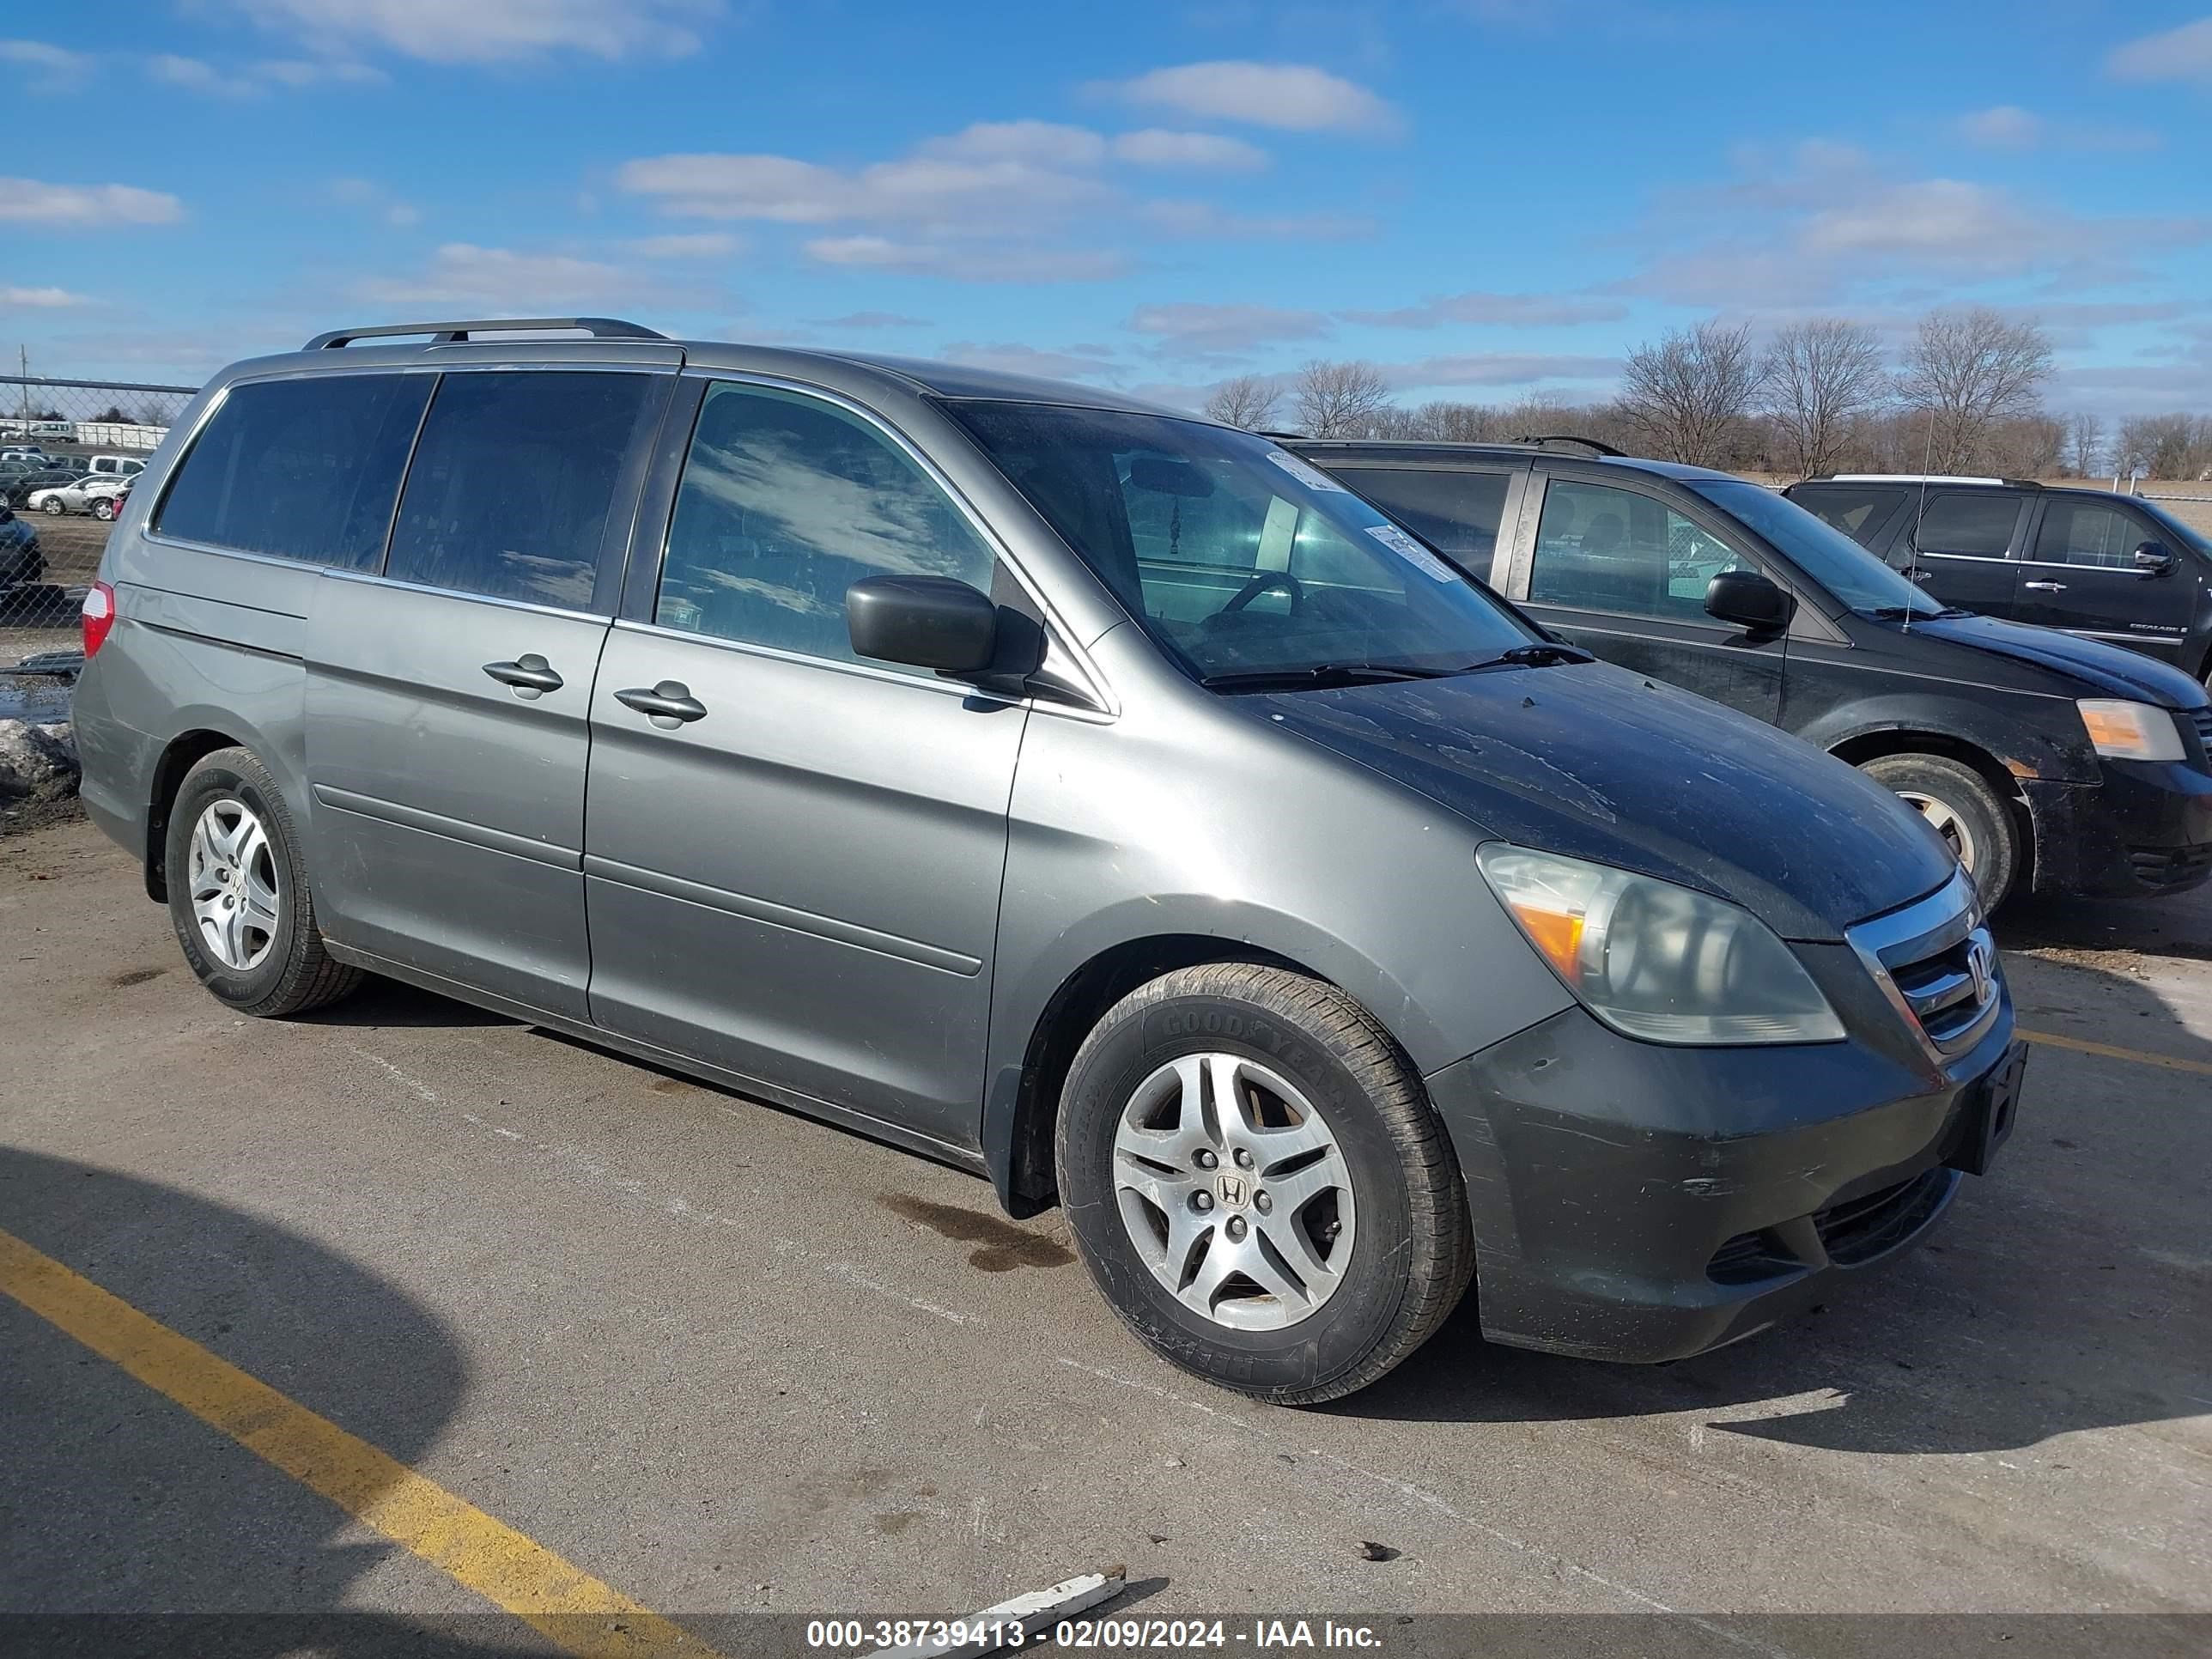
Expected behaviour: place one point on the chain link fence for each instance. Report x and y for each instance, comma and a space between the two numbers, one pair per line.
69, 450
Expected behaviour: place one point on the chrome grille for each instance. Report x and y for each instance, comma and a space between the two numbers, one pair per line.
1937, 965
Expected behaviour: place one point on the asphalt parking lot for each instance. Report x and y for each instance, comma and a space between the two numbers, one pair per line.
725, 1360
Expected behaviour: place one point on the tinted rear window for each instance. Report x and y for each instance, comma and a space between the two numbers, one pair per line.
1454, 511
1859, 511
512, 483
304, 469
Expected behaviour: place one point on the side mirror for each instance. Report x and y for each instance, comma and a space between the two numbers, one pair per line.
925, 621
2154, 559
1750, 601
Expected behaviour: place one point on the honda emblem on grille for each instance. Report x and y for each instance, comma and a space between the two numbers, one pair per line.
1982, 964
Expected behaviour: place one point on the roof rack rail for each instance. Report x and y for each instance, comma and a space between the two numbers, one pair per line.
1595, 446
1925, 477
602, 328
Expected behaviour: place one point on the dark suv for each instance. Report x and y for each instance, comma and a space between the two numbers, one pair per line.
2081, 766
2104, 565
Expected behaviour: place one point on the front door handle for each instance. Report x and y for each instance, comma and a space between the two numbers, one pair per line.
668, 705
531, 675
2044, 587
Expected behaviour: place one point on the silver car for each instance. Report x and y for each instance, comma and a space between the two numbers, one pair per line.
1092, 797
95, 493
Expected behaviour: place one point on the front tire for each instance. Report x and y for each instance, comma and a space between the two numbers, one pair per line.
53, 507
1960, 806
237, 892
1259, 1184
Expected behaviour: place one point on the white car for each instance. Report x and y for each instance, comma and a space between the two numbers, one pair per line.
95, 494
115, 466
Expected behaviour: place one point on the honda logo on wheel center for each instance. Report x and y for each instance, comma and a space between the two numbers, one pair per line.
1233, 1190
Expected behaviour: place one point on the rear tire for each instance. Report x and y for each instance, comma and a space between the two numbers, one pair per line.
237, 892
1311, 1154
1960, 806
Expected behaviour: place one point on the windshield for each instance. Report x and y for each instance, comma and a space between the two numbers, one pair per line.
1823, 552
2179, 531
1238, 558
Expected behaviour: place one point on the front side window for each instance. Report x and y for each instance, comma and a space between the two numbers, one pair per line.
1453, 510
1235, 556
785, 503
304, 469
2089, 532
1976, 526
1602, 549
512, 480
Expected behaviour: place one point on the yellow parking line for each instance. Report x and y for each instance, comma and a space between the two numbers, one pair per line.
565, 1603
2083, 1045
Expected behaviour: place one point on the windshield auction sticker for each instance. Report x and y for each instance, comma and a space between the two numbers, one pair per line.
1412, 551
1311, 477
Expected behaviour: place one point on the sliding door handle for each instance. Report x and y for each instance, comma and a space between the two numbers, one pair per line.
2044, 587
668, 705
531, 675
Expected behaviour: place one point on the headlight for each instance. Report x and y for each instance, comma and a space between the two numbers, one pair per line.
2131, 731
1656, 961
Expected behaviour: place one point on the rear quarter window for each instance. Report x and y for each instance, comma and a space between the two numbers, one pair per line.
307, 469
1860, 513
1455, 511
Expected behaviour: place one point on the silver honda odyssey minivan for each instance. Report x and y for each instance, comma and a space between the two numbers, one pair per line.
1085, 794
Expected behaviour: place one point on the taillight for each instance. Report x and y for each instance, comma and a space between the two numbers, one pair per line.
99, 617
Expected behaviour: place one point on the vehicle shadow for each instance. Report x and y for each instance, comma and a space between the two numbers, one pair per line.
2071, 1289
390, 1002
129, 1525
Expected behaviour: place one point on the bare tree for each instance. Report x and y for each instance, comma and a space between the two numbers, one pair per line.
2085, 443
1967, 371
1248, 401
1686, 398
1818, 376
2167, 445
1338, 400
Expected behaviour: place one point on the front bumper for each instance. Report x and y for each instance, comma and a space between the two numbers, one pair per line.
2146, 829
1642, 1203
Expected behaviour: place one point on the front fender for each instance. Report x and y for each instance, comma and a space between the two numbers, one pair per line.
2023, 749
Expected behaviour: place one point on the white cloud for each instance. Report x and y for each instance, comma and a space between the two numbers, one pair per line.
1294, 97
707, 244
196, 76
373, 197
1157, 147
1013, 359
2006, 126
989, 262
1498, 368
1211, 328
1831, 222
499, 281
490, 31
2182, 54
29, 202
1208, 219
42, 299
871, 319
303, 72
1039, 144
1523, 310
54, 67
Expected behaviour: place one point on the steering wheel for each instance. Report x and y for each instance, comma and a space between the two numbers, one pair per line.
1261, 584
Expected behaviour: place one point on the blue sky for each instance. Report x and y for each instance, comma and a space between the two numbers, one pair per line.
1484, 197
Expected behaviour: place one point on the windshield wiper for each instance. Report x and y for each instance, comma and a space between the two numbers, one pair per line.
1912, 613
1318, 676
1550, 654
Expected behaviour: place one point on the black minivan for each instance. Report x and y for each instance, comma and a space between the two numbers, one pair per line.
2045, 760
2102, 565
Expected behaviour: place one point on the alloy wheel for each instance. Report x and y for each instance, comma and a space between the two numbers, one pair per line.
1946, 821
